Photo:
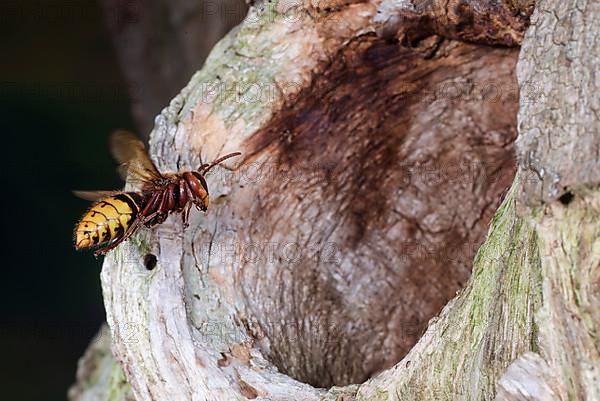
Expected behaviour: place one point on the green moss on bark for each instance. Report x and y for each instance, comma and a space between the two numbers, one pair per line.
491, 322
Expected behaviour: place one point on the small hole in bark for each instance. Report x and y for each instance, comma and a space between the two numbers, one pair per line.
223, 361
150, 261
566, 198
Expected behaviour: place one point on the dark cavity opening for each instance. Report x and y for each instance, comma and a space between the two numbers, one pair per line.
566, 198
386, 173
150, 261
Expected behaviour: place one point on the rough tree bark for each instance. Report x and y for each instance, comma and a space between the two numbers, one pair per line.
378, 141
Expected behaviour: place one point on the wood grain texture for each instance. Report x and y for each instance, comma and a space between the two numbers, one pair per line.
350, 222
559, 145
527, 378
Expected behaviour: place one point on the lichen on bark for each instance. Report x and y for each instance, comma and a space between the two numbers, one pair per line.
350, 82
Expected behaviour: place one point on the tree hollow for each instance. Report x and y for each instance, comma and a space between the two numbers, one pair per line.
375, 187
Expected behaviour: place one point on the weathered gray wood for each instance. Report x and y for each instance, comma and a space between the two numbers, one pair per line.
558, 119
527, 378
211, 323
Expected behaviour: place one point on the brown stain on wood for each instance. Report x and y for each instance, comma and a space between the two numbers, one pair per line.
247, 390
401, 149
405, 152
485, 22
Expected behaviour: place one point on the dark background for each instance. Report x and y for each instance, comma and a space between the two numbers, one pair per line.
61, 94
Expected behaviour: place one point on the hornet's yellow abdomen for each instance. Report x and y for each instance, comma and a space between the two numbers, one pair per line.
107, 220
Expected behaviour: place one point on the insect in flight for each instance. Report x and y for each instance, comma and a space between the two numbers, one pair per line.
117, 215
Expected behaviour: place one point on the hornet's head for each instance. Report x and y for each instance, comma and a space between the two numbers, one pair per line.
197, 184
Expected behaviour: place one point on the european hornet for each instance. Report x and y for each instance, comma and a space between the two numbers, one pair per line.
117, 215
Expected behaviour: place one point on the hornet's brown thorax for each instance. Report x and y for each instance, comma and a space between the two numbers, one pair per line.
176, 194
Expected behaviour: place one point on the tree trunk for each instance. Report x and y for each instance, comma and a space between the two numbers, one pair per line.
378, 140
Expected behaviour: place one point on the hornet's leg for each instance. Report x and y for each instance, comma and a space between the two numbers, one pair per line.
163, 210
185, 215
130, 231
140, 219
